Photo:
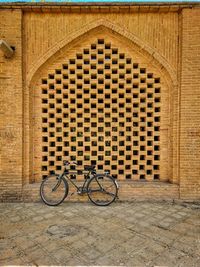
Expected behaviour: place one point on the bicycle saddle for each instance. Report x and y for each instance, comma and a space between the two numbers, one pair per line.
89, 167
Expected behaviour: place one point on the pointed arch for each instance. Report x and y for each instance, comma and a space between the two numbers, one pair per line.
142, 46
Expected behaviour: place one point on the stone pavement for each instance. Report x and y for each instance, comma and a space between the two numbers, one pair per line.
81, 234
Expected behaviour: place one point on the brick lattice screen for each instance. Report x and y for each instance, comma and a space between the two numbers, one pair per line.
101, 107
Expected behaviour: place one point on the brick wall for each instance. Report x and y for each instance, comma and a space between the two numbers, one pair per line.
156, 32
190, 106
11, 107
143, 42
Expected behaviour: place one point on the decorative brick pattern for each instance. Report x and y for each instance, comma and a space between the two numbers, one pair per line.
102, 108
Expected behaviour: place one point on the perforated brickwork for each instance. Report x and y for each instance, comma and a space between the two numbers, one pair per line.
101, 107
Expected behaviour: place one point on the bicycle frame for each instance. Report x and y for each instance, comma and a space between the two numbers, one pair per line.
66, 174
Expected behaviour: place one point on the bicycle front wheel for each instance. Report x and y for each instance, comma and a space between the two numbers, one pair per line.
102, 190
53, 190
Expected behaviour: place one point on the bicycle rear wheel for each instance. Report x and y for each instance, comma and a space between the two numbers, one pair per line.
102, 190
53, 190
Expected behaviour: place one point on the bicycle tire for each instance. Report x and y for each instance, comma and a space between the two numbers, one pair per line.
96, 190
58, 190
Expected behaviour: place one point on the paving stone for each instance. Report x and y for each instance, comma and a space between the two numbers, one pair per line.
78, 245
90, 240
171, 256
12, 262
48, 215
91, 253
187, 248
42, 239
7, 254
15, 219
50, 246
38, 218
68, 213
75, 261
62, 255
104, 245
106, 260
24, 243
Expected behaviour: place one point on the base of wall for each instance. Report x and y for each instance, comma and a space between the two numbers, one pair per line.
148, 190
128, 190
11, 194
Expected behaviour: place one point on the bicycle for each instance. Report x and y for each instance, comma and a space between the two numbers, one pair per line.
101, 189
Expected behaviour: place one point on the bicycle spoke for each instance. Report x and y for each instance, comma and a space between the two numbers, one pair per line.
53, 190
109, 193
102, 190
95, 190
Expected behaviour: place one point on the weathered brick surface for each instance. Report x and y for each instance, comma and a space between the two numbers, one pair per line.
11, 107
190, 106
149, 39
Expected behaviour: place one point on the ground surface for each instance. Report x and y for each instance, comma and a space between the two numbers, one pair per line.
123, 234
